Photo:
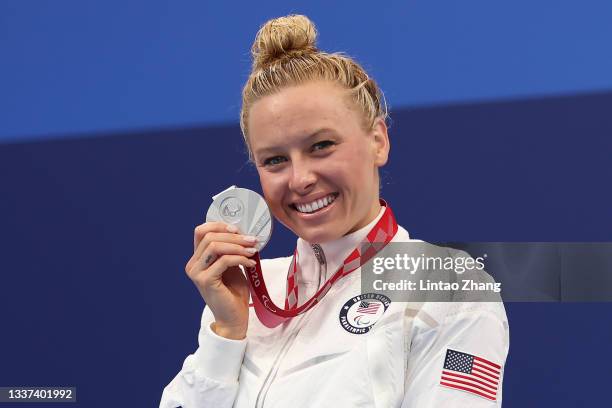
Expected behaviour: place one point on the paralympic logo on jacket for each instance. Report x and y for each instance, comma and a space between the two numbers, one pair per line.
360, 313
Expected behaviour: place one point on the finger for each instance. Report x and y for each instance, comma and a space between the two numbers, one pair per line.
217, 249
216, 270
214, 226
244, 240
213, 251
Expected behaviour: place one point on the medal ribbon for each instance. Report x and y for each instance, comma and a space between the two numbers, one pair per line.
271, 315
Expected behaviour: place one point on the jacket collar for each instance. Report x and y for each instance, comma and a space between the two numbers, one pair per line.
318, 262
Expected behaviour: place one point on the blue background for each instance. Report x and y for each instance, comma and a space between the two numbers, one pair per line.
118, 121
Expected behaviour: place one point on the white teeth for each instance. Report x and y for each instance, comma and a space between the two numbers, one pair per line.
315, 205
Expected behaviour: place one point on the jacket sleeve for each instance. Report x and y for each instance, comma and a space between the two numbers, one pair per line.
209, 377
458, 362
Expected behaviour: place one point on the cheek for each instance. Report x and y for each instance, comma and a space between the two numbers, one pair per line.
352, 165
272, 186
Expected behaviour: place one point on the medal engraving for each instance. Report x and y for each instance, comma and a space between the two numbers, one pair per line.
244, 209
232, 210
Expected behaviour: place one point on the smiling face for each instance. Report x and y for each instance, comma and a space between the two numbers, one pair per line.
317, 164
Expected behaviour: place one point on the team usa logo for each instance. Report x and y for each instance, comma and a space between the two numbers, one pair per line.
359, 314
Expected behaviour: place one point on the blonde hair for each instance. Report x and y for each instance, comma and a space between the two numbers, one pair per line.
285, 54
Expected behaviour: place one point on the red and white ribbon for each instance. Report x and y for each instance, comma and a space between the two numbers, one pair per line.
271, 315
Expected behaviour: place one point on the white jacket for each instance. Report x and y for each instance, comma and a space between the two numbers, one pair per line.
312, 361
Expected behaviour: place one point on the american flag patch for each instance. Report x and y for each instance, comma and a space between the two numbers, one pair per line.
471, 373
368, 307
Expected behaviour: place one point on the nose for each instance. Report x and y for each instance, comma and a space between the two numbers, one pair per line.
303, 178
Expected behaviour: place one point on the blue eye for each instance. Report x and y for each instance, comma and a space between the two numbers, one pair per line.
322, 145
272, 161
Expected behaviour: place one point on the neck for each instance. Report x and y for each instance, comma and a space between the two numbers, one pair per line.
369, 217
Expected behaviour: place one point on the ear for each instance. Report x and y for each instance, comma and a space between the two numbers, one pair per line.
380, 142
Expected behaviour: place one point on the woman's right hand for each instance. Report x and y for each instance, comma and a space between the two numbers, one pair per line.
218, 250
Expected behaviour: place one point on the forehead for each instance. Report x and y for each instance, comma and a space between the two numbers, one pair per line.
298, 111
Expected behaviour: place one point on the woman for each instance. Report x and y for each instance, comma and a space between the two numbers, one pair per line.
315, 127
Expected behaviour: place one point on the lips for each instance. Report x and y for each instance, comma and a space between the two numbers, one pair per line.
313, 206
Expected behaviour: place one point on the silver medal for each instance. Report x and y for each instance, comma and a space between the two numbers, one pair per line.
245, 209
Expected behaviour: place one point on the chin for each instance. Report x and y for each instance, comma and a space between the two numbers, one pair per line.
317, 235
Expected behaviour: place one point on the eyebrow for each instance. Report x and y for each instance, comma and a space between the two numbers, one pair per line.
272, 149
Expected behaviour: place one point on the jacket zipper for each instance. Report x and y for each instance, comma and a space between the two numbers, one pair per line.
267, 384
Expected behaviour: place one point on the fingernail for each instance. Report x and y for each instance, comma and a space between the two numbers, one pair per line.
232, 228
252, 263
251, 250
249, 238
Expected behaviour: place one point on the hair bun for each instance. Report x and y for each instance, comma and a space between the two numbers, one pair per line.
281, 37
